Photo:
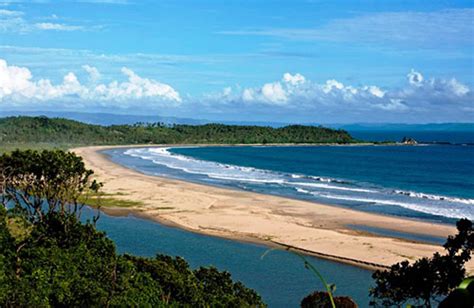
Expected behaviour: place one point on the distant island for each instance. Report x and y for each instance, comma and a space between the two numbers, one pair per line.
63, 133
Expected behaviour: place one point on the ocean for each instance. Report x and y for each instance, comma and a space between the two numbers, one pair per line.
427, 182
441, 136
432, 182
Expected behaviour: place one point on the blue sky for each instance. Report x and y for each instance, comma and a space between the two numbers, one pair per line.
289, 61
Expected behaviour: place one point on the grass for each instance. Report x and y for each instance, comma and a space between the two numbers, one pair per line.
9, 147
108, 200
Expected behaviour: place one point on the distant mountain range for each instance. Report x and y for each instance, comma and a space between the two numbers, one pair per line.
432, 127
105, 118
117, 119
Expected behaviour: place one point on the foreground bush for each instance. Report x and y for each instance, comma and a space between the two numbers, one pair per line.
427, 280
48, 257
321, 300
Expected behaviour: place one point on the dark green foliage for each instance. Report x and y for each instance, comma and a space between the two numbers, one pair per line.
427, 279
321, 300
461, 297
60, 132
46, 181
48, 257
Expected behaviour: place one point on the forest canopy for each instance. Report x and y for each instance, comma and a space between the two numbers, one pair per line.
30, 130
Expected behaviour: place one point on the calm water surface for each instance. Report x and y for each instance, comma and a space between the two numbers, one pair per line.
280, 277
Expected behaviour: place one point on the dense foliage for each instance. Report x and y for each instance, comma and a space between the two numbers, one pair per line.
461, 297
48, 257
428, 279
62, 131
321, 300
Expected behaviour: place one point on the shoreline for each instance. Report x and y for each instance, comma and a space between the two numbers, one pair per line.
119, 212
304, 226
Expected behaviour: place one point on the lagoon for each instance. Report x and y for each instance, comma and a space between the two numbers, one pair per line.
280, 277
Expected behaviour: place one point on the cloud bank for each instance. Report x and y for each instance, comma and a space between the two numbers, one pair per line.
17, 87
297, 92
294, 95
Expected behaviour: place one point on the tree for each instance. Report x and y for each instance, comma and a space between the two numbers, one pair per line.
427, 279
319, 299
45, 182
63, 133
48, 257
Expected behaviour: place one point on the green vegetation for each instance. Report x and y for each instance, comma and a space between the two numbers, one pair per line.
107, 200
48, 257
319, 299
42, 132
427, 279
462, 296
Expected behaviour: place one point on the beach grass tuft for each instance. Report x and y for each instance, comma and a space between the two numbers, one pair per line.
109, 200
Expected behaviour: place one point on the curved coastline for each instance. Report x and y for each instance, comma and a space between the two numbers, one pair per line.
309, 227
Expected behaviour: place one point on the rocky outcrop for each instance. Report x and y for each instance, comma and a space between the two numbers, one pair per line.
409, 141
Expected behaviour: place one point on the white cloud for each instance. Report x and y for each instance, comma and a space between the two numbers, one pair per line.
434, 92
274, 93
57, 27
8, 13
415, 78
457, 88
296, 91
294, 79
292, 95
16, 21
437, 87
393, 105
227, 91
12, 21
18, 86
375, 91
441, 29
332, 84
248, 95
93, 72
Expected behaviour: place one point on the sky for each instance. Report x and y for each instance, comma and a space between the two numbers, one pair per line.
300, 61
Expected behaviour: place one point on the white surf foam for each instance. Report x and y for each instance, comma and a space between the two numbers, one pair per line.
318, 178
162, 156
414, 194
315, 185
446, 210
326, 186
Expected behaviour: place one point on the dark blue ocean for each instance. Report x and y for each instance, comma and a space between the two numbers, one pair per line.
454, 137
434, 182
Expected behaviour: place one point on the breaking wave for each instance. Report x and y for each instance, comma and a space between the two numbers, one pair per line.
433, 197
319, 187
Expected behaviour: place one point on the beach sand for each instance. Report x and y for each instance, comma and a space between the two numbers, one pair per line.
312, 227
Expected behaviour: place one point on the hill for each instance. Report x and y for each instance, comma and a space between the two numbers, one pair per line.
62, 132
430, 127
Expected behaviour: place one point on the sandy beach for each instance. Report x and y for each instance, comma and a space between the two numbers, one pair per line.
314, 228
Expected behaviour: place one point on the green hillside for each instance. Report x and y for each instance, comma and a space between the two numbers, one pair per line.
43, 131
